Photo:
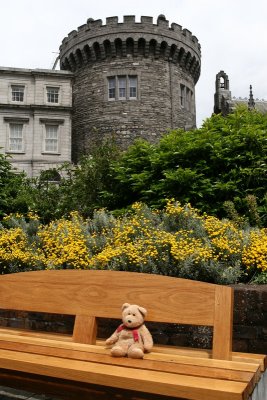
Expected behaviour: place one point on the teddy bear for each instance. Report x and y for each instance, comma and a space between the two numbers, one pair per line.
131, 338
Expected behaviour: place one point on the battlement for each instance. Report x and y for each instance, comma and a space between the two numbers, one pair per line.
94, 42
94, 28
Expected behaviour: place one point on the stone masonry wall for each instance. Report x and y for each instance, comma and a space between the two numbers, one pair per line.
156, 108
250, 324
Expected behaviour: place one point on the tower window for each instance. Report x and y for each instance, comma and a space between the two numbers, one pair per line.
182, 95
112, 88
52, 94
189, 95
222, 83
17, 93
133, 87
186, 98
16, 137
122, 87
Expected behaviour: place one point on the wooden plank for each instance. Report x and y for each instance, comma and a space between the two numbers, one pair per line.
223, 323
101, 294
251, 358
85, 329
38, 334
204, 353
169, 384
69, 390
202, 362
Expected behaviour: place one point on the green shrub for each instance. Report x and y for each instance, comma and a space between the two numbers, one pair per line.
225, 160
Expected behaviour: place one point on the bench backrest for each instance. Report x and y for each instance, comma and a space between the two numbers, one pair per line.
94, 294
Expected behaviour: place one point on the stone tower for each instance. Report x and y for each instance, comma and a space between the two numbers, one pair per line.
131, 79
222, 94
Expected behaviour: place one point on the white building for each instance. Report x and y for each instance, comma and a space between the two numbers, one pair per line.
35, 118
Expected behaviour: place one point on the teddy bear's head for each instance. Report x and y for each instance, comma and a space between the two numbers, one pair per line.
133, 315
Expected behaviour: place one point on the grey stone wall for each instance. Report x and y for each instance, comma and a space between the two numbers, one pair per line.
250, 318
156, 108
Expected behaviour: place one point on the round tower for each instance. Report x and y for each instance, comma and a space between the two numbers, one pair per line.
131, 79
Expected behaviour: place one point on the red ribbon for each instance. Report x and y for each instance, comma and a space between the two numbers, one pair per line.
135, 332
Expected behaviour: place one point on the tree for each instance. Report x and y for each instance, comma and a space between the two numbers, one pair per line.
11, 183
224, 160
83, 187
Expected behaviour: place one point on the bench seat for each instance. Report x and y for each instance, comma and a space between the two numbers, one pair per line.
172, 372
61, 365
178, 377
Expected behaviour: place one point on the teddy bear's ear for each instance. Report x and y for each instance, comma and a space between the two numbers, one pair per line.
125, 305
142, 310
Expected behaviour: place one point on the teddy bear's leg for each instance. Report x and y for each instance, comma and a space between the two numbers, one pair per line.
135, 351
119, 350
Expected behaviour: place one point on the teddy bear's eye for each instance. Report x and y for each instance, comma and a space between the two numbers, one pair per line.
133, 315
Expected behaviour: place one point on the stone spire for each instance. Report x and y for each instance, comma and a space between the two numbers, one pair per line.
251, 102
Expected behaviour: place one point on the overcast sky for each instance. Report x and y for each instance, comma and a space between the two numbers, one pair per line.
232, 34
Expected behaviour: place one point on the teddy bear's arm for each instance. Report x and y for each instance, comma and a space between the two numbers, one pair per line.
113, 338
147, 338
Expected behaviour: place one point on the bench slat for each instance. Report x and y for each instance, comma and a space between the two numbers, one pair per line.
169, 384
203, 353
250, 358
70, 390
36, 334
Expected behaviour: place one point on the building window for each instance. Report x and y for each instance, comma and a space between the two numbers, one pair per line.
222, 82
112, 88
133, 87
122, 87
188, 99
50, 176
52, 94
51, 139
16, 137
17, 93
182, 95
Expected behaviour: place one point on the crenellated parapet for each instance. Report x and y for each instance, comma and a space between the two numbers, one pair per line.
93, 42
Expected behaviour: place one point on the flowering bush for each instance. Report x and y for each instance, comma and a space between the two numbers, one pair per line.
63, 243
254, 256
16, 253
177, 241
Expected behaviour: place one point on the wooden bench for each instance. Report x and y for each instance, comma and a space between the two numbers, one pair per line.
80, 367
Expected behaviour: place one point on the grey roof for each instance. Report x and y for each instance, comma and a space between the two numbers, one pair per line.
36, 71
260, 105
